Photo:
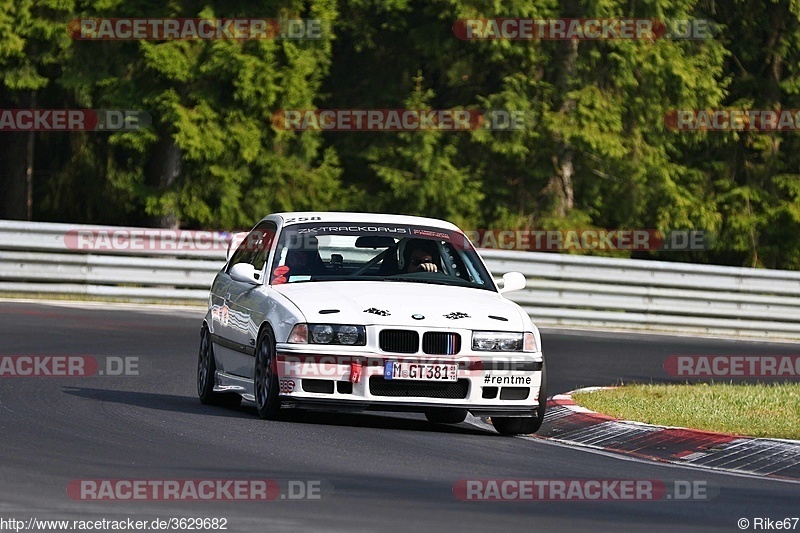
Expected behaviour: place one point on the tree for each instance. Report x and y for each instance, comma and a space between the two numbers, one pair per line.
32, 45
421, 174
212, 157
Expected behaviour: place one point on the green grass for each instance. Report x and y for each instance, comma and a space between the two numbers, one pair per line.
771, 410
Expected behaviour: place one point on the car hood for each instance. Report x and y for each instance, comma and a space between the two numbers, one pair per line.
396, 303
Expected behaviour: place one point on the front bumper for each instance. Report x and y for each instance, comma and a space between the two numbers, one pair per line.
487, 385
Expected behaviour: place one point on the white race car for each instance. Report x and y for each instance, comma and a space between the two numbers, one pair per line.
357, 311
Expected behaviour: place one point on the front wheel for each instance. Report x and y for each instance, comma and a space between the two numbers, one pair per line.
206, 369
265, 384
524, 425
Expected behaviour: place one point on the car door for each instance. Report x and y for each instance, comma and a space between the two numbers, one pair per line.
239, 330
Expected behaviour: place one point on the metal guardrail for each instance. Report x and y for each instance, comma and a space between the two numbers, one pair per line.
48, 258
563, 290
571, 290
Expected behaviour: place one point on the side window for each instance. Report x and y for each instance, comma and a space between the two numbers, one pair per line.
254, 249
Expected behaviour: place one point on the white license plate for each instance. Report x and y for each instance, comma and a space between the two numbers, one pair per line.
420, 371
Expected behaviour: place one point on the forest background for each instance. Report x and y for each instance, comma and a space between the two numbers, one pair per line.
597, 152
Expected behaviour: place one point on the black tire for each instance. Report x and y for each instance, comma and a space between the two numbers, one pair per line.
446, 416
265, 382
524, 425
206, 368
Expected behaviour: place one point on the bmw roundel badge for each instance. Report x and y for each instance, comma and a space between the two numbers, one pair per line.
417, 316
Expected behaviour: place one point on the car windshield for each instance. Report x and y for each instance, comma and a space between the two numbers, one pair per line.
320, 252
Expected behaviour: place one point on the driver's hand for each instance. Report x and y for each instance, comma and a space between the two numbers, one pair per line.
427, 267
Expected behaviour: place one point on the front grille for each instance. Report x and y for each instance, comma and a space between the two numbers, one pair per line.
441, 343
421, 389
399, 341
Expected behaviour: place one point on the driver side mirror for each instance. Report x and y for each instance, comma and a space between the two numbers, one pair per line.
245, 273
513, 281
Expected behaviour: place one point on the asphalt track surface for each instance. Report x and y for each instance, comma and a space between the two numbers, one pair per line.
387, 472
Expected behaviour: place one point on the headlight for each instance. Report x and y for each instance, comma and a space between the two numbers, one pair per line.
499, 341
321, 334
329, 334
348, 334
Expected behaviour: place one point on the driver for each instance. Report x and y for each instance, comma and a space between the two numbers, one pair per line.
420, 255
305, 260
